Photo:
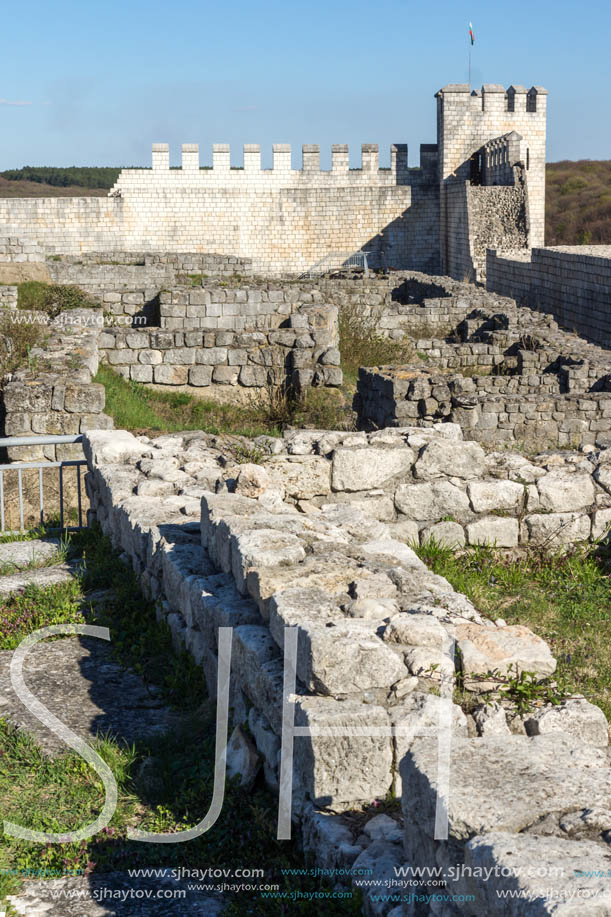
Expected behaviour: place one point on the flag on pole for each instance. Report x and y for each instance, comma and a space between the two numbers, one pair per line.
471, 35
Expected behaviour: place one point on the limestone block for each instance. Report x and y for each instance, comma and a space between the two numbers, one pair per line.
225, 375
366, 469
440, 457
379, 862
563, 775
242, 758
486, 496
432, 501
105, 447
565, 493
301, 477
347, 765
446, 534
200, 375
556, 529
494, 530
415, 630
253, 376
262, 548
141, 373
490, 720
568, 876
603, 476
151, 357
506, 649
575, 716
170, 375
423, 712
601, 523
211, 356
258, 667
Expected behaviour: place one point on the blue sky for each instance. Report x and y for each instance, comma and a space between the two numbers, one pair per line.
98, 83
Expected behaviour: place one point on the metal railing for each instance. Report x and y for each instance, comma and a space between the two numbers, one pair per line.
337, 261
20, 467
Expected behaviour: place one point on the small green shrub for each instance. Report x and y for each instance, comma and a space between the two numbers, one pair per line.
52, 298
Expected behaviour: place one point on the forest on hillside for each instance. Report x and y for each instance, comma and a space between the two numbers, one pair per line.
578, 194
578, 202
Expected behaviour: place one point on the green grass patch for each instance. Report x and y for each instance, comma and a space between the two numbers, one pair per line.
139, 408
52, 298
564, 598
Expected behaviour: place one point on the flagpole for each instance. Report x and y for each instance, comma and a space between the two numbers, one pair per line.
469, 66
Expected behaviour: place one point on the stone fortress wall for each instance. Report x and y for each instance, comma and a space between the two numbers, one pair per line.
482, 183
571, 282
315, 539
283, 219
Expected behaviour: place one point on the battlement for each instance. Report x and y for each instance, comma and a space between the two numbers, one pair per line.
282, 171
494, 98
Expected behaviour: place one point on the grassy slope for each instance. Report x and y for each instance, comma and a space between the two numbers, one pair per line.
565, 599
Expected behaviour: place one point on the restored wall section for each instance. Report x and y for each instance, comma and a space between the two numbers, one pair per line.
572, 283
283, 219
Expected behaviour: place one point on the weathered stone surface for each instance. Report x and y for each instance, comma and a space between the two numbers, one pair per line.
486, 496
301, 477
432, 502
562, 774
375, 872
539, 875
262, 548
365, 469
115, 894
415, 630
20, 554
384, 828
446, 534
575, 716
565, 493
601, 523
252, 480
421, 714
42, 577
80, 682
108, 447
466, 460
242, 758
490, 720
555, 529
494, 530
484, 649
345, 765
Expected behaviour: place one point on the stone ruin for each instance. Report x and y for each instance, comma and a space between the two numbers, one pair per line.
505, 373
316, 537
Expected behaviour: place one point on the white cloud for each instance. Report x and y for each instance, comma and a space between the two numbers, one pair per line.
17, 102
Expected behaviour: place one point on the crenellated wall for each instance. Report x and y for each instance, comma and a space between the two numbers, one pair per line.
282, 219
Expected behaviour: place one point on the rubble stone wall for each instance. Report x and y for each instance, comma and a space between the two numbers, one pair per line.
55, 394
8, 297
230, 337
314, 541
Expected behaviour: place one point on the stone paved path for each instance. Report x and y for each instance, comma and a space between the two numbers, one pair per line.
79, 681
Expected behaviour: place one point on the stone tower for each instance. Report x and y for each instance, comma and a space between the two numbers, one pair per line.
467, 122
